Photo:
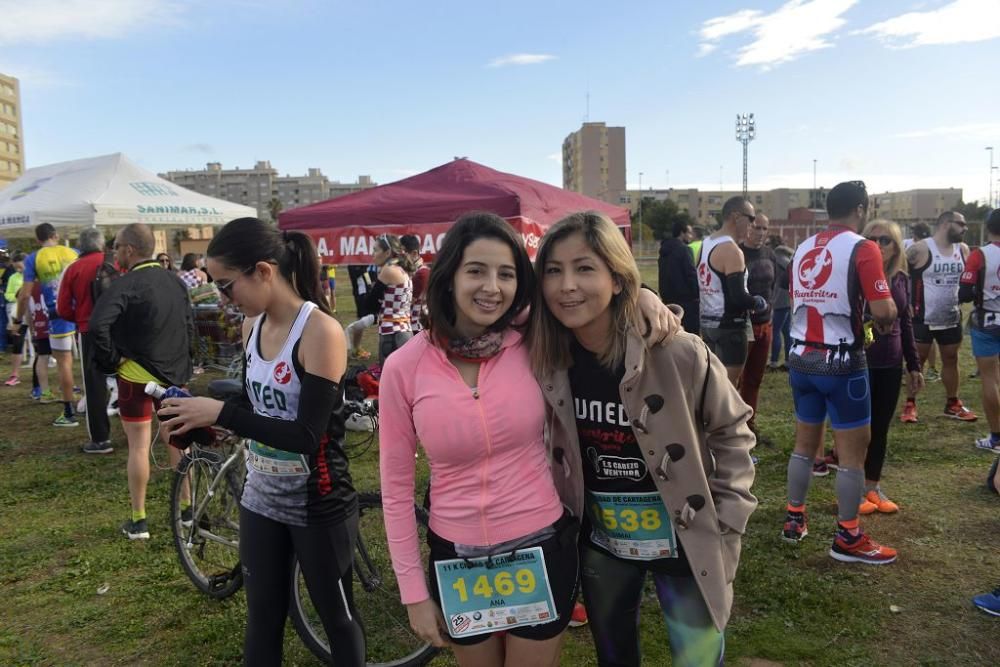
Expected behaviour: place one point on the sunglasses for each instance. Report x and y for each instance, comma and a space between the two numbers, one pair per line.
226, 289
881, 240
749, 217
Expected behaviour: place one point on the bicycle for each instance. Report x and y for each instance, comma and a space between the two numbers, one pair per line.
207, 542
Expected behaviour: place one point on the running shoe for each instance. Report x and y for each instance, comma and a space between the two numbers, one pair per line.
579, 616
820, 468
12, 381
958, 411
988, 444
860, 549
909, 415
67, 422
988, 602
795, 529
831, 458
361, 354
867, 507
880, 501
135, 530
36, 393
931, 375
98, 447
47, 397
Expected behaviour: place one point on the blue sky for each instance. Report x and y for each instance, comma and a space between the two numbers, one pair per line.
896, 92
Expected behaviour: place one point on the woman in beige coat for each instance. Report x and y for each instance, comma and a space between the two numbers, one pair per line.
650, 446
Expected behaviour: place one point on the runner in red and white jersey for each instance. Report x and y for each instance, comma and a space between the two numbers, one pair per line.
981, 285
834, 274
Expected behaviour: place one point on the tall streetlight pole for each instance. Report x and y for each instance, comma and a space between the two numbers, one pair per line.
989, 202
746, 131
640, 212
814, 173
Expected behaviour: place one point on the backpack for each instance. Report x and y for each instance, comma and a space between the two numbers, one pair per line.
107, 272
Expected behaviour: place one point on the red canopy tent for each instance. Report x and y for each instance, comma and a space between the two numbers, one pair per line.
429, 203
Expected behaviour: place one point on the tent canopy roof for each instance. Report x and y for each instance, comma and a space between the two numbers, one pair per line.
107, 190
445, 193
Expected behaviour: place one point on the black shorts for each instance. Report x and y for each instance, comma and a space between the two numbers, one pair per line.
729, 345
925, 335
42, 346
561, 563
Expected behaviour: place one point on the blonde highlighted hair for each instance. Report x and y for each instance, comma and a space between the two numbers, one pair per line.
550, 340
896, 263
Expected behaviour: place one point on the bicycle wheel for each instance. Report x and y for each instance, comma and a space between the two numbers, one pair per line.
208, 547
389, 639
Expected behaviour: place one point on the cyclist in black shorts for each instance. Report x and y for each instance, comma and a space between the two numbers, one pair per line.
299, 499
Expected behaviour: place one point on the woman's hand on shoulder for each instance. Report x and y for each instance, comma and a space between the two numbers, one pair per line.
323, 350
658, 323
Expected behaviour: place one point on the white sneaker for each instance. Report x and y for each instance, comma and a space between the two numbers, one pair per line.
987, 444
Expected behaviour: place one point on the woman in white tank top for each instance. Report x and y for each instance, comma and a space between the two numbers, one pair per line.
298, 499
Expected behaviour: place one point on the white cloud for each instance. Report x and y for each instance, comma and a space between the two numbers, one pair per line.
521, 59
38, 21
986, 131
795, 28
955, 23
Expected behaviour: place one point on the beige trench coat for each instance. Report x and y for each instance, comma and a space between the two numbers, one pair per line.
692, 427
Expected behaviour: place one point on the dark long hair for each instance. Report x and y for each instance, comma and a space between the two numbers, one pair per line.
440, 299
245, 241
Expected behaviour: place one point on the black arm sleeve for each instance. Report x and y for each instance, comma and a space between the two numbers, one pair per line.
736, 290
109, 307
966, 293
373, 298
319, 399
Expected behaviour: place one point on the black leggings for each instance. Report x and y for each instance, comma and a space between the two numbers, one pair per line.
325, 555
884, 387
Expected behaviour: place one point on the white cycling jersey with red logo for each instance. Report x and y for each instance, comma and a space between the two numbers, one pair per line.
712, 304
824, 291
983, 270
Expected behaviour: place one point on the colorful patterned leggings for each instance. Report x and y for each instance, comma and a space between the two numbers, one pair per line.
612, 591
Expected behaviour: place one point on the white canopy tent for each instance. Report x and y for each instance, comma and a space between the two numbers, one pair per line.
107, 191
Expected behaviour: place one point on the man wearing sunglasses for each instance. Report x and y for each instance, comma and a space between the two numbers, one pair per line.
936, 267
722, 283
833, 274
141, 329
762, 271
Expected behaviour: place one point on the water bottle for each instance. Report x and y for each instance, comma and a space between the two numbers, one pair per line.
203, 435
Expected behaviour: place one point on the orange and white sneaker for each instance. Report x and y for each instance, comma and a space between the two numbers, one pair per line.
860, 548
909, 415
879, 501
579, 616
956, 410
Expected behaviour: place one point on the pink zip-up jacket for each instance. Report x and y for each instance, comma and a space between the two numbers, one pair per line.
490, 475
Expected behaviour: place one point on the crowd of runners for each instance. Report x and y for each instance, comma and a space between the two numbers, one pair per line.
582, 430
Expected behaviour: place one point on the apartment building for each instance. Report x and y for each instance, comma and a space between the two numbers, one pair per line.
593, 160
11, 134
257, 187
705, 205
912, 206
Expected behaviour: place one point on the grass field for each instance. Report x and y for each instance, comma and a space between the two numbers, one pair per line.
59, 544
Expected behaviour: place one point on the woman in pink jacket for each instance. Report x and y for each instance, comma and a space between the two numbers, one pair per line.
503, 550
